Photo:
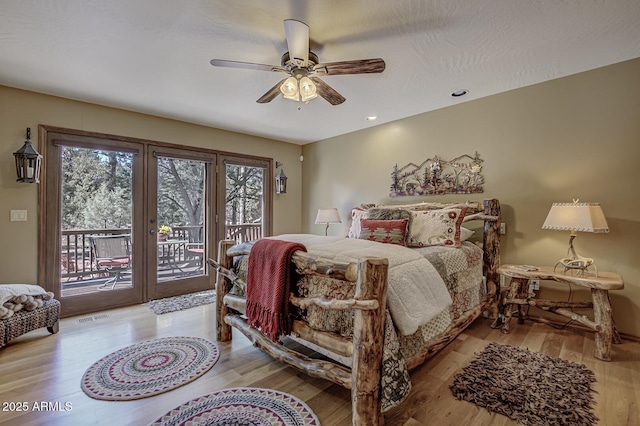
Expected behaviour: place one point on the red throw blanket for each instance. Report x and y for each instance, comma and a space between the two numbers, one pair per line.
268, 281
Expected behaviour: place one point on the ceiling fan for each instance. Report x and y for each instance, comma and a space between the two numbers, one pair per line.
303, 68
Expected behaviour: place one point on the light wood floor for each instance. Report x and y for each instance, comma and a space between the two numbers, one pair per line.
39, 367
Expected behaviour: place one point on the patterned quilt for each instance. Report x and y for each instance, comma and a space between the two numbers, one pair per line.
460, 269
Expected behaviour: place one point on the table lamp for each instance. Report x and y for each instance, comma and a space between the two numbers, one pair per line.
328, 216
574, 217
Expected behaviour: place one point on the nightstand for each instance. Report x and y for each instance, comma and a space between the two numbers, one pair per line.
518, 296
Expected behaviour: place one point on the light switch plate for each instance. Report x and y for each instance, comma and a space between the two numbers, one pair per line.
18, 215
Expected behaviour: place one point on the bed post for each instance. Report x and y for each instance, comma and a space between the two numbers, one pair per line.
223, 285
491, 248
368, 338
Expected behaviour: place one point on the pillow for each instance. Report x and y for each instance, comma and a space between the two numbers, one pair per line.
384, 231
436, 227
389, 214
357, 214
465, 233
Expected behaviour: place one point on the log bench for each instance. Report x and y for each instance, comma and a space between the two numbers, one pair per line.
518, 296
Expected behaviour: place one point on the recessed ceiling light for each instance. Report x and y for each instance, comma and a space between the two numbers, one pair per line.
372, 118
458, 93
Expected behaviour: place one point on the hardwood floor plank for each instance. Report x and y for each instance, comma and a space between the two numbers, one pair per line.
39, 367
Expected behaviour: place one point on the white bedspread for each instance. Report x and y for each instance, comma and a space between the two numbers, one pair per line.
416, 292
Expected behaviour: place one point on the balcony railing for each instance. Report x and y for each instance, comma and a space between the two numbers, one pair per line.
78, 263
244, 232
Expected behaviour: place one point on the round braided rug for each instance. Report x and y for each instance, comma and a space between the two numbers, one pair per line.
149, 368
241, 406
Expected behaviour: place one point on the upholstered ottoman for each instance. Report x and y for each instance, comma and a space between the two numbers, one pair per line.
24, 321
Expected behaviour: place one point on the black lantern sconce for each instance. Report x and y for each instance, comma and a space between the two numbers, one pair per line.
28, 162
281, 180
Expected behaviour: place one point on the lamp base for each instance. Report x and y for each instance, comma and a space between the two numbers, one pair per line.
575, 261
579, 264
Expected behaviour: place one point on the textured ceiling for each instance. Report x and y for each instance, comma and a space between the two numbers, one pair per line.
152, 56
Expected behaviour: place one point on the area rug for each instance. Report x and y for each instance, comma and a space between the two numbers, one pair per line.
149, 368
241, 406
528, 387
185, 301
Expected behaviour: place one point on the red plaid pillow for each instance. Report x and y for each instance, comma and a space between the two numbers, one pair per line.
384, 231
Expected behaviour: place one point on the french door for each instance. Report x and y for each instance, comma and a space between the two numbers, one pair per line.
122, 220
181, 196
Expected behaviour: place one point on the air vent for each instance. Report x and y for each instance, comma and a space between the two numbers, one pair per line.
92, 319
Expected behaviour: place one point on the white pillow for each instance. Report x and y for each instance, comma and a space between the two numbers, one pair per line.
357, 214
465, 233
436, 227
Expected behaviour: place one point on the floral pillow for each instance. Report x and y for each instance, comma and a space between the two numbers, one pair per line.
384, 231
436, 227
357, 214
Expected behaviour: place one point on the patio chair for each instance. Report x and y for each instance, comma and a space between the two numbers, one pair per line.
112, 254
196, 251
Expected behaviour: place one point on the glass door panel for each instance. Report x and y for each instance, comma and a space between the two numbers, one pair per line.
180, 212
96, 219
178, 225
245, 200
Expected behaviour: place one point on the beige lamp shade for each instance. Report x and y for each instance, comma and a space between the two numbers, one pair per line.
574, 217
582, 217
328, 216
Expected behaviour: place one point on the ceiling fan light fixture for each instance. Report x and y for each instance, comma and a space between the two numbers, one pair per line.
290, 89
308, 90
304, 68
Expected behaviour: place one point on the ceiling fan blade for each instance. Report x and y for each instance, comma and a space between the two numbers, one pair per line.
246, 65
359, 66
272, 93
328, 92
297, 33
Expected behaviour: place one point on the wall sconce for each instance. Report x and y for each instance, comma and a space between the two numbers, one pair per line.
281, 180
28, 162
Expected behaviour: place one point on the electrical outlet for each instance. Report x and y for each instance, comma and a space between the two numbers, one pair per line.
503, 228
534, 285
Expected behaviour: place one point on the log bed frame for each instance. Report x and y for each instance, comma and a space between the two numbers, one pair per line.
365, 349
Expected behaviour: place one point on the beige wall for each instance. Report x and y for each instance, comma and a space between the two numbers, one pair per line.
21, 109
575, 137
